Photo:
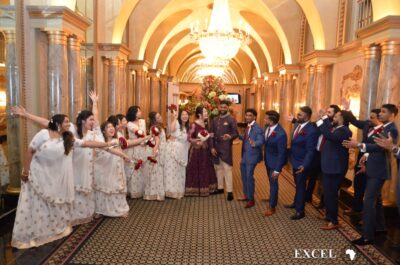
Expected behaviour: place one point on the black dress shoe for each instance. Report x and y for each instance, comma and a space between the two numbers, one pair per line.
290, 206
298, 216
362, 242
230, 196
381, 232
219, 191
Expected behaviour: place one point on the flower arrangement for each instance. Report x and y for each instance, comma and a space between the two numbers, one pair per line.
203, 135
155, 131
123, 143
139, 134
172, 108
213, 93
138, 164
151, 142
152, 159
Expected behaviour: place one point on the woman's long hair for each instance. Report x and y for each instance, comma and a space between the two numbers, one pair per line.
153, 120
68, 138
103, 127
181, 122
82, 116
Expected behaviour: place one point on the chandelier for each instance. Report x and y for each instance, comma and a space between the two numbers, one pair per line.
219, 40
214, 67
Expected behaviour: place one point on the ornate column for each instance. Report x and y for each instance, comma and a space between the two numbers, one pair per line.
142, 95
74, 78
155, 99
58, 72
310, 84
287, 100
164, 96
318, 96
123, 93
13, 98
88, 80
389, 92
258, 99
113, 97
372, 59
269, 94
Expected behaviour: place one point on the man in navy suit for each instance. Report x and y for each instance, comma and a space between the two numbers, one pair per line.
252, 142
377, 169
360, 179
334, 161
302, 152
275, 155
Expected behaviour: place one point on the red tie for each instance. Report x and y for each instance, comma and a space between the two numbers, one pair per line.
267, 135
323, 141
246, 136
296, 132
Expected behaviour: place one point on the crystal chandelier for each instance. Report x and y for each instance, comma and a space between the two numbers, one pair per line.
214, 67
219, 40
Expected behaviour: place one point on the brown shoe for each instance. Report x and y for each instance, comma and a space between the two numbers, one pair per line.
329, 226
269, 211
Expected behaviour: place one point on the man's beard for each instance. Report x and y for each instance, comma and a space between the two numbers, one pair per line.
222, 112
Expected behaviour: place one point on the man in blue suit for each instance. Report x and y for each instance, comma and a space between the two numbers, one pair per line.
302, 152
252, 142
377, 169
275, 155
334, 161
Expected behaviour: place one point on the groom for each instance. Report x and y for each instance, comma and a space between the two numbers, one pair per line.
253, 141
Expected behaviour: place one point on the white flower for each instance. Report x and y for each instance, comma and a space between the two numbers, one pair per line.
212, 94
222, 97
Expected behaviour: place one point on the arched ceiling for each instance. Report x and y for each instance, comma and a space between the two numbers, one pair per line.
158, 32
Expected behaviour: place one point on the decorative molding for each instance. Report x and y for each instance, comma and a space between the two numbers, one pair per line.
303, 36
341, 25
384, 29
112, 47
321, 57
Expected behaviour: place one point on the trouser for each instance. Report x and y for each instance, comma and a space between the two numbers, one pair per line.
247, 172
224, 172
273, 189
299, 197
360, 182
331, 185
373, 218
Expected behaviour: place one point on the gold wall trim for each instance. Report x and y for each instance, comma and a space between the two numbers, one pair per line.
389, 22
114, 48
391, 47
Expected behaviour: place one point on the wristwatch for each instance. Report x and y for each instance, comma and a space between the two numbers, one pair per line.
395, 149
359, 145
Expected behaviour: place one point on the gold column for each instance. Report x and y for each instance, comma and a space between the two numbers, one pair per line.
74, 77
389, 92
372, 59
155, 93
104, 99
142, 95
269, 94
113, 85
58, 72
122, 90
310, 84
164, 97
287, 100
13, 124
319, 94
258, 99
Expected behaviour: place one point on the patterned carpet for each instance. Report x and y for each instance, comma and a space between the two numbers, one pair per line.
211, 231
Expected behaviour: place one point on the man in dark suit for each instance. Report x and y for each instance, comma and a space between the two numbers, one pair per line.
275, 155
302, 152
334, 161
377, 169
360, 179
252, 142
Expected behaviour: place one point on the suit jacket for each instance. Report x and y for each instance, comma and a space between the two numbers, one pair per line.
363, 125
378, 164
220, 126
275, 149
334, 156
253, 155
303, 147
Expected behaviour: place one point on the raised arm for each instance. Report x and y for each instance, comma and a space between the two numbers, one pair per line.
95, 99
21, 112
173, 119
337, 136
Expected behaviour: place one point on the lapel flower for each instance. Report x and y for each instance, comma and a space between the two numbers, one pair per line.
303, 132
273, 134
379, 130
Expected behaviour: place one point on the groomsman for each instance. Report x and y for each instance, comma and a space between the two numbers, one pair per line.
224, 129
253, 141
334, 162
377, 169
275, 155
302, 152
360, 179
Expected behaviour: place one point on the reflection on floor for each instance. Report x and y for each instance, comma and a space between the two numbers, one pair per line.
250, 223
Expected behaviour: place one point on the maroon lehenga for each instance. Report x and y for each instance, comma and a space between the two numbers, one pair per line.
200, 175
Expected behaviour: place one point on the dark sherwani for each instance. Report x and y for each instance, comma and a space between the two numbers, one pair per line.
219, 126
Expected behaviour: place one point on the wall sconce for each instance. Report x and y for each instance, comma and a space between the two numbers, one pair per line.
3, 99
355, 105
262, 105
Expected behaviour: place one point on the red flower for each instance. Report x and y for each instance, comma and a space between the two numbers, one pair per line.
273, 134
172, 107
303, 132
123, 143
155, 131
138, 164
379, 130
150, 143
204, 133
139, 134
152, 160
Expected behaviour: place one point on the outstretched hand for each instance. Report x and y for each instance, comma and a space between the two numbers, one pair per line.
321, 113
351, 143
345, 104
18, 110
384, 142
93, 96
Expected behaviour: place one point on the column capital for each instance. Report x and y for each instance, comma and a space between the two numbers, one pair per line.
163, 78
139, 65
321, 68
154, 73
57, 37
74, 43
391, 47
10, 36
372, 51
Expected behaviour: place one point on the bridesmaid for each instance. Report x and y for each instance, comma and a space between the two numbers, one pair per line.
136, 129
154, 182
176, 150
120, 123
109, 177
47, 188
200, 175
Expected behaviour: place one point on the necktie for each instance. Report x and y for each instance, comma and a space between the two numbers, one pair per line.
323, 142
246, 136
267, 135
296, 132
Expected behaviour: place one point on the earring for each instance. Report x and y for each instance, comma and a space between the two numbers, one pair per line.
59, 129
